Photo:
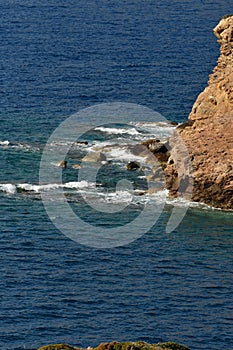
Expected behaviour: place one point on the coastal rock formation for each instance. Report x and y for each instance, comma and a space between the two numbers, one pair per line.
208, 134
58, 347
120, 346
159, 149
61, 164
132, 166
95, 157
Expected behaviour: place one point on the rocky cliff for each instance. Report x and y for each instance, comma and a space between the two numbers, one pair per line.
208, 134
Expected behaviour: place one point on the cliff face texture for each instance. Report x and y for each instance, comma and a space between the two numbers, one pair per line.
208, 134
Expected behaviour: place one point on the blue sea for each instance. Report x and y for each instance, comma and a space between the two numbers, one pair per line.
86, 256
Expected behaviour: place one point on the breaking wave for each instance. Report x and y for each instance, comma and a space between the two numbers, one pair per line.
117, 131
27, 187
20, 146
4, 143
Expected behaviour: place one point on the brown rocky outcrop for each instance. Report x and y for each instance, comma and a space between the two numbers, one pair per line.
208, 134
159, 149
138, 345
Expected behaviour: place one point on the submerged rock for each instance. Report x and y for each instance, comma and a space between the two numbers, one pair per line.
95, 157
61, 164
76, 166
208, 134
138, 345
132, 166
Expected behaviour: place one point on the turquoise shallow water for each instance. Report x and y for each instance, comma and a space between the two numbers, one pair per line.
60, 57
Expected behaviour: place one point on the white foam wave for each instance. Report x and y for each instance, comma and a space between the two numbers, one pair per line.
4, 143
20, 146
117, 152
27, 187
119, 197
113, 198
8, 188
154, 124
159, 129
131, 131
183, 202
123, 154
160, 194
123, 196
79, 184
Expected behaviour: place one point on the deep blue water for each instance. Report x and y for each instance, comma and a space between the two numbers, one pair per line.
58, 57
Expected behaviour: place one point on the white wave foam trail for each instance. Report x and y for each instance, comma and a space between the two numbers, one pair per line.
159, 129
123, 154
36, 188
138, 132
8, 188
4, 143
78, 184
20, 146
26, 187
49, 187
106, 130
182, 202
160, 196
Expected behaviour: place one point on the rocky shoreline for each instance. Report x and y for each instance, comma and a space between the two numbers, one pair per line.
120, 346
208, 133
208, 136
197, 160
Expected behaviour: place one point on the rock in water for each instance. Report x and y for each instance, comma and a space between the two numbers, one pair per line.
95, 157
138, 345
61, 164
58, 347
208, 134
132, 166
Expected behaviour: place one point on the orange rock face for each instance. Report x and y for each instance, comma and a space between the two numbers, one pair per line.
208, 135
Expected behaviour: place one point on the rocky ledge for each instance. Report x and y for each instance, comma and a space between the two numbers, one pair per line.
120, 346
208, 134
